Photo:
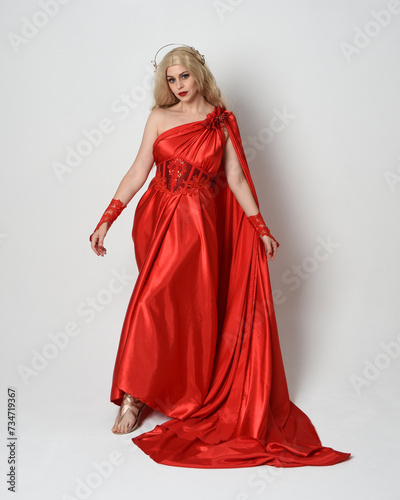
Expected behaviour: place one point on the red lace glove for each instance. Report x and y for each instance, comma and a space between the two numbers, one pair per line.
259, 225
113, 210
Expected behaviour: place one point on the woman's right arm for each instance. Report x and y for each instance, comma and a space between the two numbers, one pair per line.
140, 169
134, 179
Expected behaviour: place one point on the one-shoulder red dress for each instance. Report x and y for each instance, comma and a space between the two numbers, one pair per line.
200, 342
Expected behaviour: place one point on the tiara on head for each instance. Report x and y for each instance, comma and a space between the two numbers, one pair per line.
203, 59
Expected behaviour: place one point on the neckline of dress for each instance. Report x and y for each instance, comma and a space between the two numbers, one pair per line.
184, 124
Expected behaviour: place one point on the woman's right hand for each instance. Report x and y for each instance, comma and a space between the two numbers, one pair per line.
97, 240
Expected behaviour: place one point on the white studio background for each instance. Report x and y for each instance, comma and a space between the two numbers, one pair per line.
314, 86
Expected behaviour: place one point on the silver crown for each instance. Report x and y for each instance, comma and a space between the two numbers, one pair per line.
203, 59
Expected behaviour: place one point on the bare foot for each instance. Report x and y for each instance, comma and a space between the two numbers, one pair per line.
127, 415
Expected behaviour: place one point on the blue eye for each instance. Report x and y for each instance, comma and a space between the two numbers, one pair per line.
185, 76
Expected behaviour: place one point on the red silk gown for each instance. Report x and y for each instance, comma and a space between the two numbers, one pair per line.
200, 342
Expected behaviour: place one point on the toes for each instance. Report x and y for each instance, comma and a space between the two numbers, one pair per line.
125, 423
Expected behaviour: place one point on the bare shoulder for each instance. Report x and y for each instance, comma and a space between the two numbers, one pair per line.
157, 119
155, 115
157, 112
161, 119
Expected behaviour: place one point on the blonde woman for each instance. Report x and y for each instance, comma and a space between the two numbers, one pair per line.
199, 342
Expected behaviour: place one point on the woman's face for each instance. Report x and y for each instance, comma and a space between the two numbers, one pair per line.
181, 82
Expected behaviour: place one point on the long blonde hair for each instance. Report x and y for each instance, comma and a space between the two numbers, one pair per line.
191, 60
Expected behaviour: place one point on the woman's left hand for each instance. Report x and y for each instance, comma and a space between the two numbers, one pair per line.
271, 247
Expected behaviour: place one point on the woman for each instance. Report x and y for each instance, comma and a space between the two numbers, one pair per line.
199, 341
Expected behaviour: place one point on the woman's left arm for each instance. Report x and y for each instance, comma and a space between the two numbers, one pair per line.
241, 189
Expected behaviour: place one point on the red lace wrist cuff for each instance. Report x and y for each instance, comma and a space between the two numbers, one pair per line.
113, 210
259, 225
